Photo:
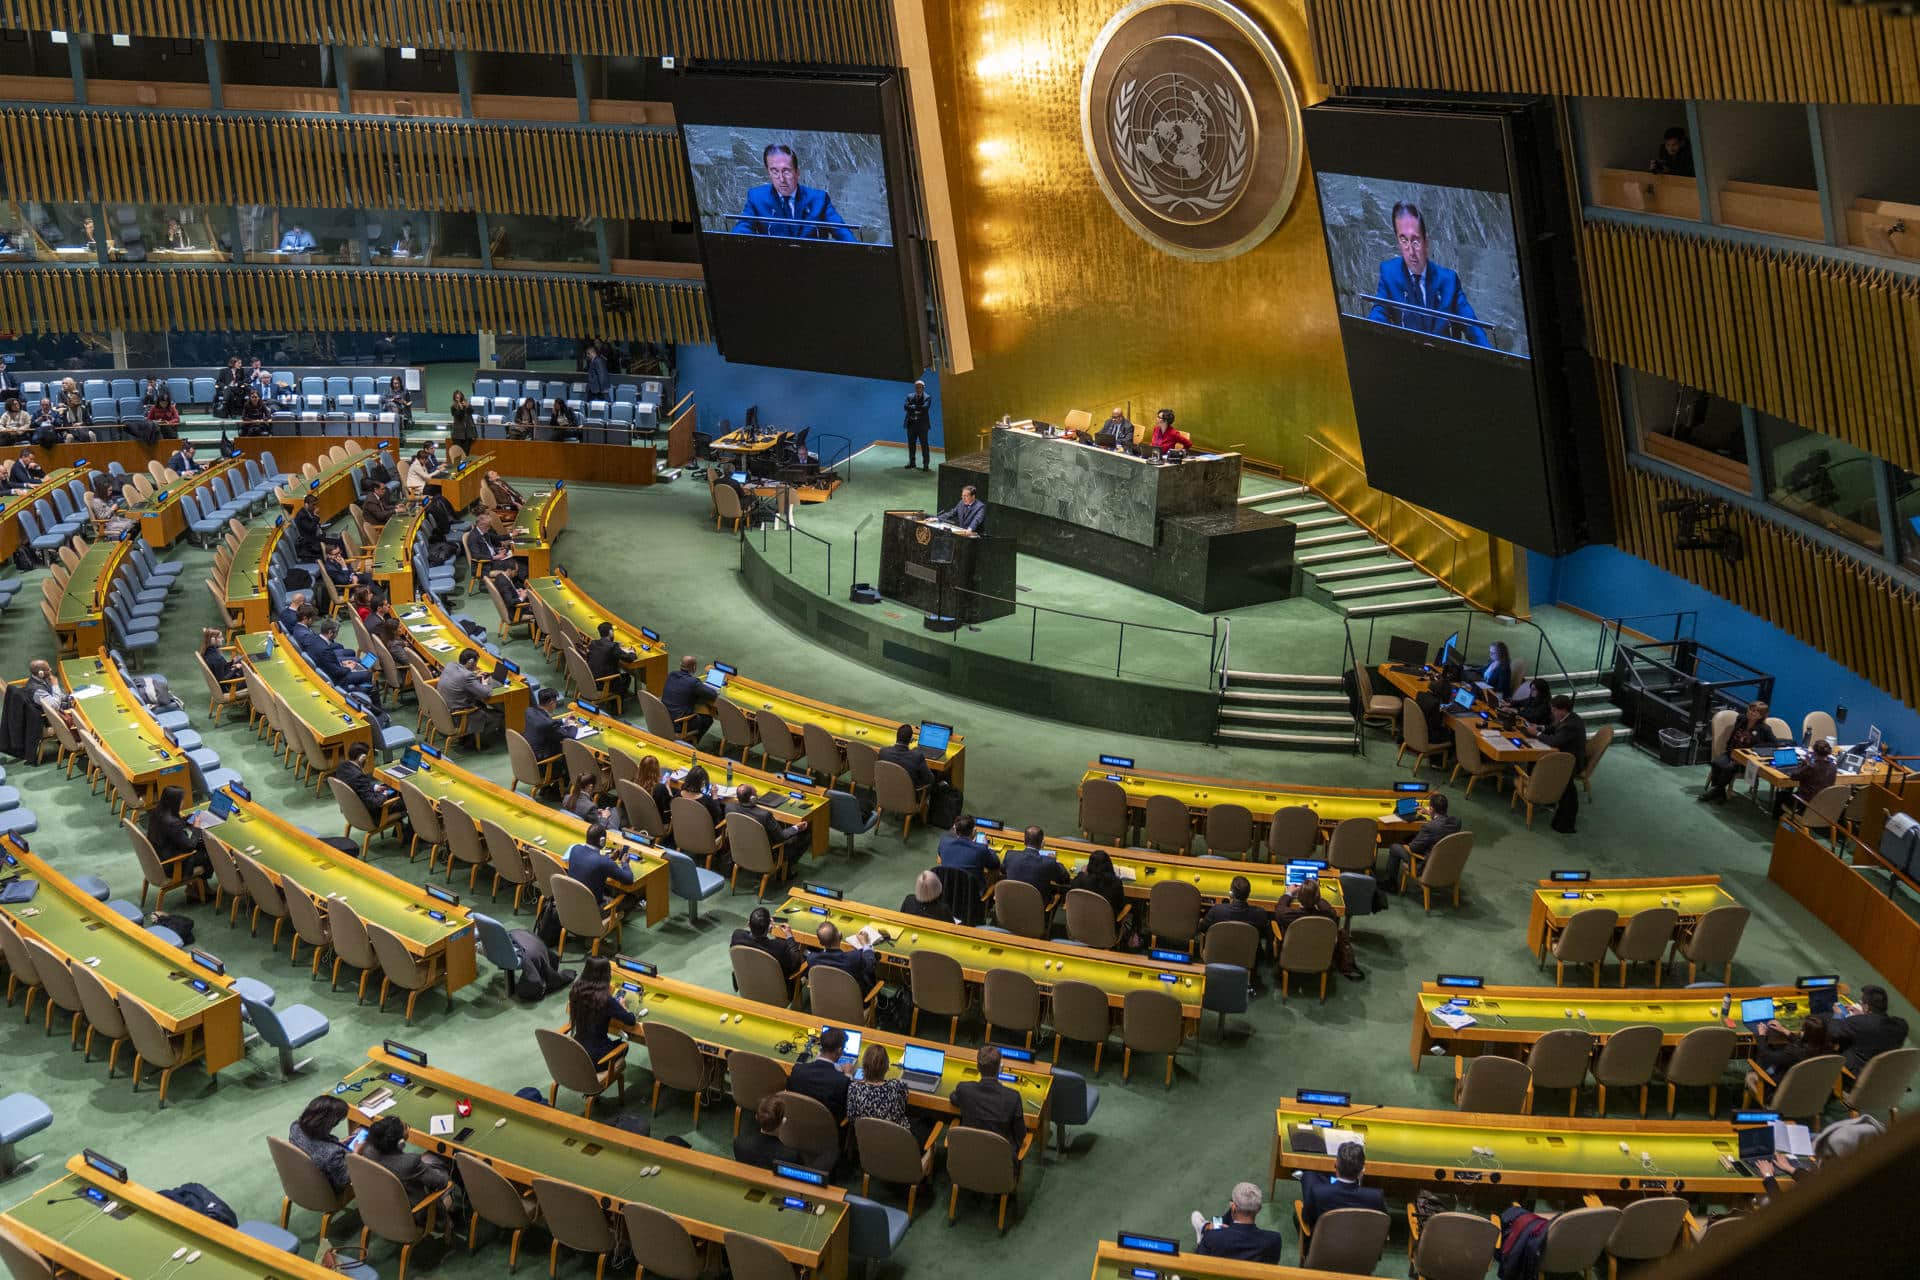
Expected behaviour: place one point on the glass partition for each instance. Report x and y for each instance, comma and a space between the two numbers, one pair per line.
1688, 428
301, 237
170, 234
1821, 479
1906, 517
529, 243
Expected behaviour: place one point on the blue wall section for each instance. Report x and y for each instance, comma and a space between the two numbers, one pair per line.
1612, 584
861, 409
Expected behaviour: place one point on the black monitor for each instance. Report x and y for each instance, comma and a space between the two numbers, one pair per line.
1407, 651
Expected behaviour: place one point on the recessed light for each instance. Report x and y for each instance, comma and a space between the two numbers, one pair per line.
59, 37
122, 42
408, 54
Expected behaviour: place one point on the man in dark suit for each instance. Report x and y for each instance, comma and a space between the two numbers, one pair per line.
822, 1078
25, 472
1116, 432
379, 799
759, 935
959, 850
910, 758
1432, 702
1238, 1235
1236, 909
1414, 278
782, 207
310, 538
297, 619
1566, 731
589, 864
182, 462
335, 661
596, 371
686, 694
1437, 828
861, 962
919, 425
1031, 864
1868, 1031
796, 837
969, 513
608, 657
762, 1147
1320, 1192
543, 732
988, 1104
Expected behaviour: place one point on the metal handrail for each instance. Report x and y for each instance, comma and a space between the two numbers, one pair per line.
1396, 505
1212, 636
1611, 629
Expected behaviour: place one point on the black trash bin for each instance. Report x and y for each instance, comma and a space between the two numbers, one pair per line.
1676, 747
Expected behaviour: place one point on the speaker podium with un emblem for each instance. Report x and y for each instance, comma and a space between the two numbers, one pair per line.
968, 577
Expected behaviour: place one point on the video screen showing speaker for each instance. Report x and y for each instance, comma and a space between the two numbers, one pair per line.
799, 180
1432, 260
1454, 280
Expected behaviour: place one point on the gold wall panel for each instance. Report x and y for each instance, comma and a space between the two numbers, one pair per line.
147, 157
1752, 50
96, 299
832, 31
1067, 308
1848, 610
1831, 346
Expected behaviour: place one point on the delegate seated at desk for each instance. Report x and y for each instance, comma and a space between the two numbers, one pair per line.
969, 514
1116, 432
297, 240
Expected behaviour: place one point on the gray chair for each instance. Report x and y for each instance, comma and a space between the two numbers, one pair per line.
1700, 1061
1453, 1246
1644, 940
844, 816
874, 1231
1626, 1061
1493, 1085
1582, 940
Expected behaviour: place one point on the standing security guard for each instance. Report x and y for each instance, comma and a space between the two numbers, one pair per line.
919, 425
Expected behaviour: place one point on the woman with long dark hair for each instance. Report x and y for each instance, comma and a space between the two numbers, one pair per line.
172, 836
313, 1134
594, 1014
1498, 673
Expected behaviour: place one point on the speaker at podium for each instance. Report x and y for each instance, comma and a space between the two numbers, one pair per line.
954, 578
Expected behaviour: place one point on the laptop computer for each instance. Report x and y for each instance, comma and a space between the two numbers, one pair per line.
1823, 992
738, 477
1786, 758
850, 1052
1298, 873
409, 761
922, 1067
715, 678
1406, 808
1757, 1012
935, 737
218, 810
1463, 697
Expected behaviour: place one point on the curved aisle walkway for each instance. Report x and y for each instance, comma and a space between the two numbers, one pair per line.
1149, 1157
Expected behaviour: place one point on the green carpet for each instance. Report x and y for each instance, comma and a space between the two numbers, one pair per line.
1149, 1156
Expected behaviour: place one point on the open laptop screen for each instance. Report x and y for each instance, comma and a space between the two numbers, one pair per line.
935, 737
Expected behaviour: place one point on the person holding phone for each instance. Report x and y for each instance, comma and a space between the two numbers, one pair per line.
1236, 1234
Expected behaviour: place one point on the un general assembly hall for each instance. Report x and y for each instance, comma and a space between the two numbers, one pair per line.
1314, 603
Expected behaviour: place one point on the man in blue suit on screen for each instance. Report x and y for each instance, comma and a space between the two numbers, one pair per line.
1413, 278
782, 207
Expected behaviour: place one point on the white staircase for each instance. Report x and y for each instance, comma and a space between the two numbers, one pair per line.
1274, 709
1342, 565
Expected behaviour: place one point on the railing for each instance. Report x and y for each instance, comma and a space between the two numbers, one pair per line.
1609, 642
1388, 518
1226, 643
803, 559
1160, 666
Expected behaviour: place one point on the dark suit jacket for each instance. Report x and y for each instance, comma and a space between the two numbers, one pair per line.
776, 834
606, 657
789, 953
990, 1105
966, 515
181, 463
1241, 1240
1443, 293
1432, 832
1319, 1192
763, 1151
912, 760
967, 855
1242, 913
324, 655
1570, 735
919, 411
822, 1081
596, 870
860, 962
686, 693
813, 216
1866, 1034
543, 733
1037, 869
363, 784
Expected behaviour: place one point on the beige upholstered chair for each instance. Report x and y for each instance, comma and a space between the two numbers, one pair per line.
303, 1184
1644, 940
1714, 940
1415, 738
1626, 1061
1584, 939
1469, 759
1103, 811
1150, 1022
1543, 784
570, 1065
939, 988
1493, 1085
1079, 1012
1700, 1061
1440, 868
492, 1199
1559, 1060
1293, 833
1307, 947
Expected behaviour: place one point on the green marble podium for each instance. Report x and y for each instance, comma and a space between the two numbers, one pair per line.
1113, 493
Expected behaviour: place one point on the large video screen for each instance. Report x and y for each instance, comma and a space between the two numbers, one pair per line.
1456, 336
1433, 260
800, 181
797, 184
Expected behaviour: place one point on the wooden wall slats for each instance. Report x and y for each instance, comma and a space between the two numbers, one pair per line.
1830, 346
62, 299
1750, 50
848, 32
439, 166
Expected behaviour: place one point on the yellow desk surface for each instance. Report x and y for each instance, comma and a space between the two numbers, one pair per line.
538, 827
1692, 896
125, 727
740, 442
1885, 772
377, 896
162, 518
710, 1196
461, 485
438, 639
129, 959
12, 505
722, 1023
247, 574
393, 554
1406, 1144
1262, 799
334, 483
845, 725
535, 529
1112, 1262
82, 613
566, 599
1493, 744
305, 691
1141, 869
797, 802
1522, 1015
978, 950
142, 1234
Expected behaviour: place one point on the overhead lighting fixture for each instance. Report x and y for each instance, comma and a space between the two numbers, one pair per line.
408, 54
58, 37
122, 42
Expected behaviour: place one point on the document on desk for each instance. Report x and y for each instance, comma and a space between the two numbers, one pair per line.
1792, 1139
89, 691
869, 937
1337, 1138
1454, 1016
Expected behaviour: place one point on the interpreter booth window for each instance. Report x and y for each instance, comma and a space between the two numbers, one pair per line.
1687, 428
35, 53
396, 238
279, 77
1639, 156
1906, 517
139, 71
1760, 168
1822, 480
39, 231
1873, 176
170, 234
301, 237
528, 242
523, 86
